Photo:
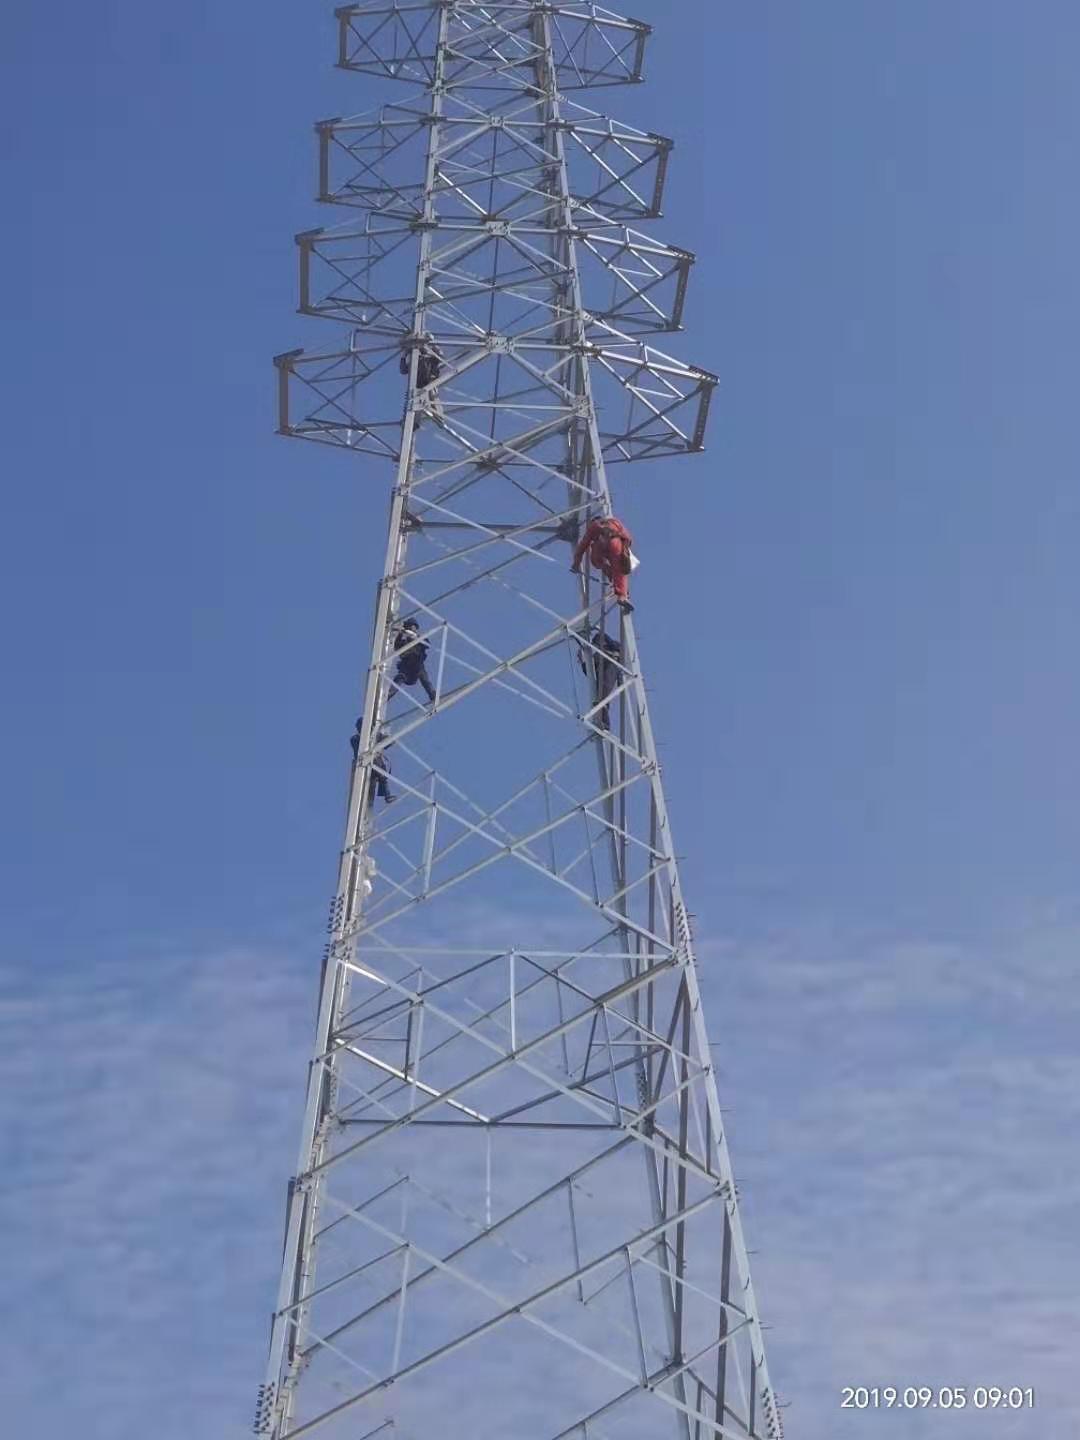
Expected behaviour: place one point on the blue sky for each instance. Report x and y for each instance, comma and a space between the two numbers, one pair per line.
869, 727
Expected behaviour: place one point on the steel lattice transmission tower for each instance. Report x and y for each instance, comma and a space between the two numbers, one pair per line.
514, 1213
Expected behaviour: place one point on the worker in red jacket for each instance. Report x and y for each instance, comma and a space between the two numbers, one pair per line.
609, 544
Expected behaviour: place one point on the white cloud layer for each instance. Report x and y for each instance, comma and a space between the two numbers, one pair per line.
904, 1129
905, 1141
152, 1110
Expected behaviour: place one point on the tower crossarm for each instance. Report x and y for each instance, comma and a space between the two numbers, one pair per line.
491, 164
496, 46
639, 283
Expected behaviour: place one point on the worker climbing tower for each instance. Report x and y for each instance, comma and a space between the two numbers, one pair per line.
514, 1214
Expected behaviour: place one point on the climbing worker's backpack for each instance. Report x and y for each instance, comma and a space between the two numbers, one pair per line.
612, 529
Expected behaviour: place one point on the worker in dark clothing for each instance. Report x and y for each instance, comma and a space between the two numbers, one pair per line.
381, 769
411, 662
609, 544
428, 369
603, 658
428, 366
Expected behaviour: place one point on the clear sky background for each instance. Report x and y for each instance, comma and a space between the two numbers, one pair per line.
857, 614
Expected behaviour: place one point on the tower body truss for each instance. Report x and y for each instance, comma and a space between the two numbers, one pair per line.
514, 1212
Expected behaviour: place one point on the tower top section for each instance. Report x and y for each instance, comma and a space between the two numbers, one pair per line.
506, 41
495, 217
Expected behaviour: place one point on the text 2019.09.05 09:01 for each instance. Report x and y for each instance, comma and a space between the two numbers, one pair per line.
944, 1397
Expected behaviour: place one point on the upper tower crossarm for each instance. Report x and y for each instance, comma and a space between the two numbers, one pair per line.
590, 46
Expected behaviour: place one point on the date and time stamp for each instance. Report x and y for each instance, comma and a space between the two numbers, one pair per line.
937, 1397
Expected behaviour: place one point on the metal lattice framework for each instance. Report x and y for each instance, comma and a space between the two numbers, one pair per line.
514, 1213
